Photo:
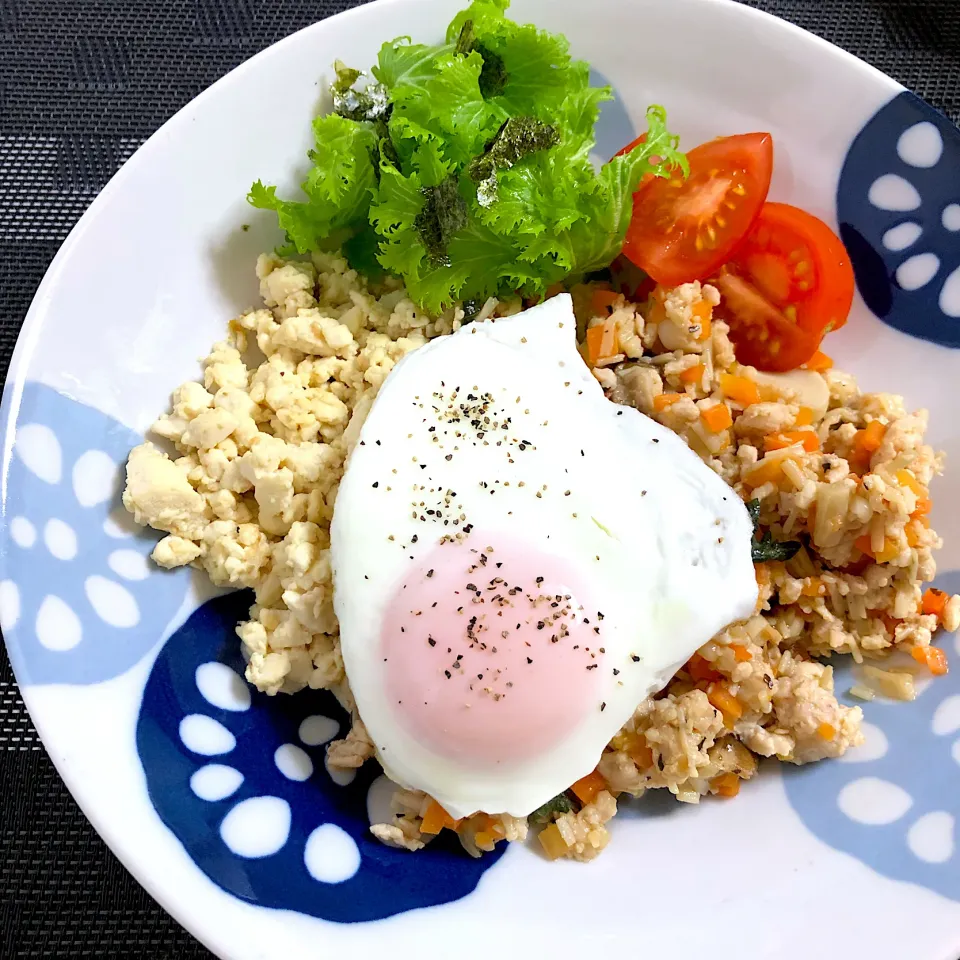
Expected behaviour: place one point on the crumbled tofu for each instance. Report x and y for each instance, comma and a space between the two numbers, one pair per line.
159, 494
174, 551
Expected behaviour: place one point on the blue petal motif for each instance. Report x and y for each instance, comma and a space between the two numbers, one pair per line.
902, 174
908, 785
78, 604
614, 127
386, 882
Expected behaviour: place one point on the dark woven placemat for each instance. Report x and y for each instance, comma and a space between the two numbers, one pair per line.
82, 84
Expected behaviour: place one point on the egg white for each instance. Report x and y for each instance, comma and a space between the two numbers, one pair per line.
664, 543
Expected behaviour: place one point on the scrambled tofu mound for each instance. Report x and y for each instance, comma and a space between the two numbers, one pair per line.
260, 447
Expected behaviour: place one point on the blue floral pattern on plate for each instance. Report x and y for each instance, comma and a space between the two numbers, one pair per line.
614, 127
898, 205
79, 600
894, 802
239, 778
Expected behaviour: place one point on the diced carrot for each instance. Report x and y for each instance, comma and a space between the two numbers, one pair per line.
602, 300
891, 623
858, 566
819, 362
871, 436
436, 818
726, 785
826, 731
587, 788
768, 393
740, 653
693, 374
804, 417
768, 470
809, 439
700, 668
937, 661
725, 702
701, 309
608, 346
778, 441
906, 479
741, 390
594, 339
491, 825
933, 658
890, 550
663, 400
924, 506
717, 418
702, 312
865, 443
602, 344
813, 587
912, 533
934, 602
640, 752
554, 846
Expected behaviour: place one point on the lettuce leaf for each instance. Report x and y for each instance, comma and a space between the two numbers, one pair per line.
339, 187
475, 180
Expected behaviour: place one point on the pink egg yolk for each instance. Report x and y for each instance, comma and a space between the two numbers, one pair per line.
492, 655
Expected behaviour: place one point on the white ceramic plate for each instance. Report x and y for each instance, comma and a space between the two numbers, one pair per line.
851, 859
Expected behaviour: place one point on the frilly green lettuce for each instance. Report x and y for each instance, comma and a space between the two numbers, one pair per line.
464, 168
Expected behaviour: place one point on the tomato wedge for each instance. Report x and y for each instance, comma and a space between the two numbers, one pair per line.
685, 228
762, 336
786, 285
800, 265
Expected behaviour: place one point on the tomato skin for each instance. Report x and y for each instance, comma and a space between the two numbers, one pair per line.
685, 228
785, 286
800, 265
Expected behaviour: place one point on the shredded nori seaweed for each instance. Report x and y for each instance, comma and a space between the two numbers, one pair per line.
372, 103
561, 803
764, 548
466, 40
443, 215
517, 138
493, 74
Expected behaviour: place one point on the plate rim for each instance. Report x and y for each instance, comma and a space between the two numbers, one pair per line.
30, 336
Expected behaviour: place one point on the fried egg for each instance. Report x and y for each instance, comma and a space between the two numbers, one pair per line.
518, 563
